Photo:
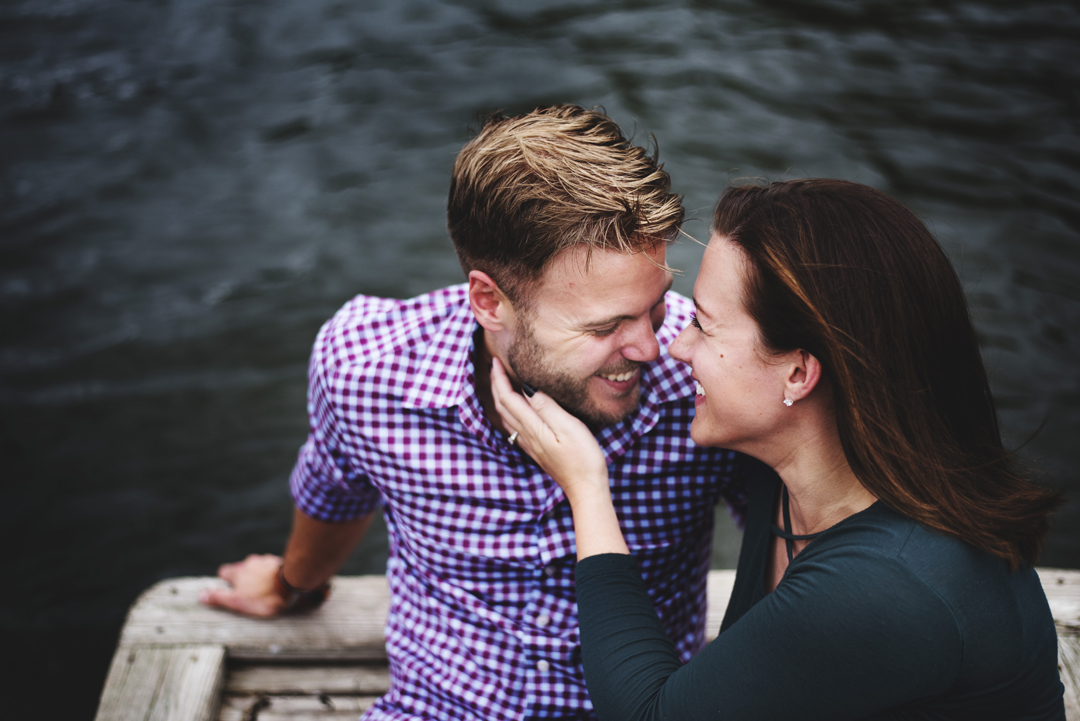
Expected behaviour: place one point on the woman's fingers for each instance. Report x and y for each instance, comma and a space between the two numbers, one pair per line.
519, 415
506, 400
522, 412
556, 418
563, 445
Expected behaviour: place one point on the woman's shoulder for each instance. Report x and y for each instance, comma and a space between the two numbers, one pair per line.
940, 560
977, 589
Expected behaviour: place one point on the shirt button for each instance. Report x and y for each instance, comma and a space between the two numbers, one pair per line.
549, 571
543, 666
543, 620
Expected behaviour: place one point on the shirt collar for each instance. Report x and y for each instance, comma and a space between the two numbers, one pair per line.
441, 378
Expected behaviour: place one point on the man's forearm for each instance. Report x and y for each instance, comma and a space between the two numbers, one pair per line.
316, 550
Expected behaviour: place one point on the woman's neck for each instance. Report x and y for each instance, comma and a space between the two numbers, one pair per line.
822, 488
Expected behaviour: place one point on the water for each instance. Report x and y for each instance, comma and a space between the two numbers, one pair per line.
190, 188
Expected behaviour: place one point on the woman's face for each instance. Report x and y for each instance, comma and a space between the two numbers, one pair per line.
740, 394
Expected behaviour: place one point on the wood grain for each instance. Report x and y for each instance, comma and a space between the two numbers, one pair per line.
285, 679
163, 683
348, 626
330, 664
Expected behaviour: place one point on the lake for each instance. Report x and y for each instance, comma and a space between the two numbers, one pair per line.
190, 188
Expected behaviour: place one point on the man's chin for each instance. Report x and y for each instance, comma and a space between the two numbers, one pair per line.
609, 413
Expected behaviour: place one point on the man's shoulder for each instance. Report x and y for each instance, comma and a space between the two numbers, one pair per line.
669, 379
679, 310
368, 328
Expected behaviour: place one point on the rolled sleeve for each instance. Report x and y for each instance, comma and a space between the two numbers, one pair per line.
320, 491
327, 483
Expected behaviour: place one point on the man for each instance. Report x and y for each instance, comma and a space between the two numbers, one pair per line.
561, 226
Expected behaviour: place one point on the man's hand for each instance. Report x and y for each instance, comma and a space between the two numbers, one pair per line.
315, 552
251, 589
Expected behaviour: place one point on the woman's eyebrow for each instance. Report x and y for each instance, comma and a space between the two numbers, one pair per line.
700, 310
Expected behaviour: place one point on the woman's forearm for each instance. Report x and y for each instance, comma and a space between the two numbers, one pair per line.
596, 525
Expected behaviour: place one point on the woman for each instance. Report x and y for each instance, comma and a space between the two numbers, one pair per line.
887, 572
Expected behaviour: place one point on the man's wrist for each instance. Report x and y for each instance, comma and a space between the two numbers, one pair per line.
298, 599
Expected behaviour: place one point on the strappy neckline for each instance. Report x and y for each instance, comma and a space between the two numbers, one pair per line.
785, 532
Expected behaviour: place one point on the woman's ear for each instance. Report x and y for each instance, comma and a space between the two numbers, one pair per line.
803, 375
493, 310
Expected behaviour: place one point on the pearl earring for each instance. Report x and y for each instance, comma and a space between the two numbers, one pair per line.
788, 402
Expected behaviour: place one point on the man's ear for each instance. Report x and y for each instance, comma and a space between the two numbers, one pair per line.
493, 310
803, 375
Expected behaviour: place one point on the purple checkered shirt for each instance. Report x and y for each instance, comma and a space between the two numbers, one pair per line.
483, 618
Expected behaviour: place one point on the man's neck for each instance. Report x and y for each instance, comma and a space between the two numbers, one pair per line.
481, 358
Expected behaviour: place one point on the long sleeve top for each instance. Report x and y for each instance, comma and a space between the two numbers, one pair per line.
876, 618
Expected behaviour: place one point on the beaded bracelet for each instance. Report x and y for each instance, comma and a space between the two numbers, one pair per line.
297, 599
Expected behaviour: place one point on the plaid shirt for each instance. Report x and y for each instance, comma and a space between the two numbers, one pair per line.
483, 620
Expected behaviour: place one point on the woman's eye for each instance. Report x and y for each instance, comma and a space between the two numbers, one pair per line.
694, 322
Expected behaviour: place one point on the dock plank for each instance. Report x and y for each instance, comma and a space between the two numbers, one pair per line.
720, 586
1069, 666
1062, 588
293, 707
348, 626
178, 659
163, 683
288, 679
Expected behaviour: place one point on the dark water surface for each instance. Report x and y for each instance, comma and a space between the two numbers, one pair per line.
190, 187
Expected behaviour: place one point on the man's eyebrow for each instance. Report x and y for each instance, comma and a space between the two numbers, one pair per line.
620, 318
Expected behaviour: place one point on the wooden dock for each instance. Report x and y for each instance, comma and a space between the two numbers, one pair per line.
180, 661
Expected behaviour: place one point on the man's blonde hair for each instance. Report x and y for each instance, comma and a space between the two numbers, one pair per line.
527, 187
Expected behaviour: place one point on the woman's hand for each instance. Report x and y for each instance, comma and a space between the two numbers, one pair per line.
562, 445
565, 448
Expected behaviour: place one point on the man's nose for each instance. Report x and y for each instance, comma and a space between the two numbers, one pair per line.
641, 345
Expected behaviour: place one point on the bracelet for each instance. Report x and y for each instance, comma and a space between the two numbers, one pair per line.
297, 599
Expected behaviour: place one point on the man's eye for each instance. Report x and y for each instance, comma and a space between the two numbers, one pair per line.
694, 322
604, 332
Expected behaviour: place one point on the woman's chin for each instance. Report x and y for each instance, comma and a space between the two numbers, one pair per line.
702, 436
712, 437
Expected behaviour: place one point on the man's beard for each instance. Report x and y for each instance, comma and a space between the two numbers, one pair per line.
529, 363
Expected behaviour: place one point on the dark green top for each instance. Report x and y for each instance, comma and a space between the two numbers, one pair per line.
876, 618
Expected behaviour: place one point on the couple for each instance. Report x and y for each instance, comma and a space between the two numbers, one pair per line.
886, 567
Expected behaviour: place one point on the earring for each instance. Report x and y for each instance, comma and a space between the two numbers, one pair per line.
788, 402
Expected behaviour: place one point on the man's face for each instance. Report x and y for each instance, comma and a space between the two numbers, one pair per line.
587, 332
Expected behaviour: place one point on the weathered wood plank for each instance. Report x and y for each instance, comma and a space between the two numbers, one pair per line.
348, 626
1069, 666
278, 708
720, 585
173, 683
168, 618
1062, 587
285, 679
237, 715
312, 704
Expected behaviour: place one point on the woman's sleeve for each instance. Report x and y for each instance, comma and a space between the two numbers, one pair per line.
838, 639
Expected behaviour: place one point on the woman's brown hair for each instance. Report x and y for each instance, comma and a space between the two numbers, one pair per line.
851, 276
